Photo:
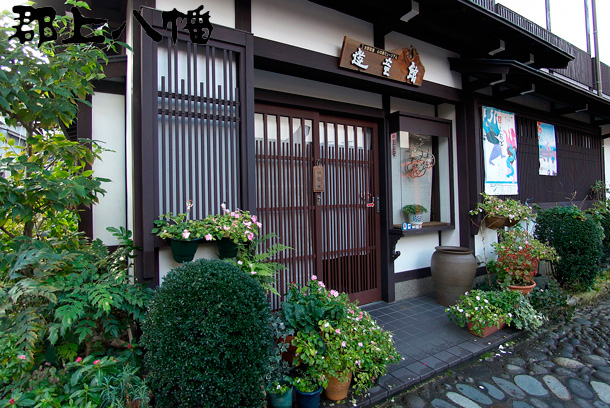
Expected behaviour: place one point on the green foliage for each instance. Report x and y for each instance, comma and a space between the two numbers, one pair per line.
551, 302
306, 306
577, 237
490, 308
414, 209
124, 389
257, 263
67, 296
277, 379
40, 88
208, 337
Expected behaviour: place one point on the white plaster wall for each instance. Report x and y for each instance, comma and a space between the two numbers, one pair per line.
606, 148
451, 237
434, 59
482, 244
167, 263
415, 251
307, 25
405, 105
108, 126
314, 89
222, 12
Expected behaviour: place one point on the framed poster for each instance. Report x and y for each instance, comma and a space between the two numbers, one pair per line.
547, 149
499, 152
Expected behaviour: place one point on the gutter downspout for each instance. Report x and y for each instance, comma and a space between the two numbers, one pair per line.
597, 62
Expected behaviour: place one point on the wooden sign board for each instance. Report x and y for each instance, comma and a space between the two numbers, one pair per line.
318, 179
401, 65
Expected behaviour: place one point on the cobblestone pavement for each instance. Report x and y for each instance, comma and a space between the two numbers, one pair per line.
567, 365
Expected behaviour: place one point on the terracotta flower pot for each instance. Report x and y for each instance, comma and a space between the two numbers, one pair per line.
337, 390
487, 330
523, 289
494, 222
288, 355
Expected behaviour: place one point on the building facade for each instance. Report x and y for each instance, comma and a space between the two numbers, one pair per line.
325, 118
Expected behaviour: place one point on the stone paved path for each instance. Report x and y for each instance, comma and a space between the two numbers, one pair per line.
566, 366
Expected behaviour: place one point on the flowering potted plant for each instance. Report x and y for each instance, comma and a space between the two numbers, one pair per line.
500, 213
518, 256
415, 213
184, 234
342, 341
230, 229
278, 383
479, 311
485, 312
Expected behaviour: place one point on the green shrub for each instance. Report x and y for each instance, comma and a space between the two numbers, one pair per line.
578, 240
208, 335
552, 302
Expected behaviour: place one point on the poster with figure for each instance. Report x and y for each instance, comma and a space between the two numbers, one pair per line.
547, 149
500, 152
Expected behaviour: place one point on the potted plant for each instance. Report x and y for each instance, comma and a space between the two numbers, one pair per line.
485, 312
500, 213
184, 234
347, 344
518, 256
478, 310
278, 384
231, 229
415, 213
308, 385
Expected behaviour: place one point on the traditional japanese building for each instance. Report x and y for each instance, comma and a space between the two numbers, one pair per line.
325, 118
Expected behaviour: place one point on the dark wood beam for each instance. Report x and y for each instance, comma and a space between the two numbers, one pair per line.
566, 110
243, 15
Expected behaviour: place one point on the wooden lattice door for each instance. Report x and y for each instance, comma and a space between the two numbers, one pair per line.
334, 233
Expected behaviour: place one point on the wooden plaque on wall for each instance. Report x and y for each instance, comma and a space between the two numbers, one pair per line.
403, 64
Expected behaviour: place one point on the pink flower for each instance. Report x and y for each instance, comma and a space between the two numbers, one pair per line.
253, 272
358, 362
226, 228
360, 344
314, 277
250, 236
129, 346
21, 357
343, 344
208, 237
254, 218
232, 214
247, 224
321, 284
186, 234
11, 401
79, 359
258, 224
334, 293
96, 361
337, 331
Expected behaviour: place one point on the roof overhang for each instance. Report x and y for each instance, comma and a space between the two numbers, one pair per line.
457, 25
509, 79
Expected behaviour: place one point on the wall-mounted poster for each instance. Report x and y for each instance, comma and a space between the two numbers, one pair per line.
500, 152
547, 149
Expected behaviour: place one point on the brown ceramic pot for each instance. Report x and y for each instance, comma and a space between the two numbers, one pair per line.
487, 330
493, 222
453, 271
523, 289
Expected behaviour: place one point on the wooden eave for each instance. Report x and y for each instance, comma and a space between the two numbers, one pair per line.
456, 25
511, 78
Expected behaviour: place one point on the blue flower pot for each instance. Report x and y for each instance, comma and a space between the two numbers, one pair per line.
184, 251
281, 400
308, 399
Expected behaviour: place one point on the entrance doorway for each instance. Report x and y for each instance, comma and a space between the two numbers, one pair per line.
332, 226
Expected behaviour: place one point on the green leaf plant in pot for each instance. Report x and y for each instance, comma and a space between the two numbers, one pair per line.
278, 383
231, 229
184, 234
415, 213
347, 344
502, 212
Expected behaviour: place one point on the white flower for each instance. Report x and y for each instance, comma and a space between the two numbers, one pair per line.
486, 301
240, 263
478, 297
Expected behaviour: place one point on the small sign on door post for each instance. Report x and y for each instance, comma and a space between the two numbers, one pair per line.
318, 179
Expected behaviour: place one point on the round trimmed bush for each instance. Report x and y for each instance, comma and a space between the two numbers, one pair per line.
208, 337
578, 240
